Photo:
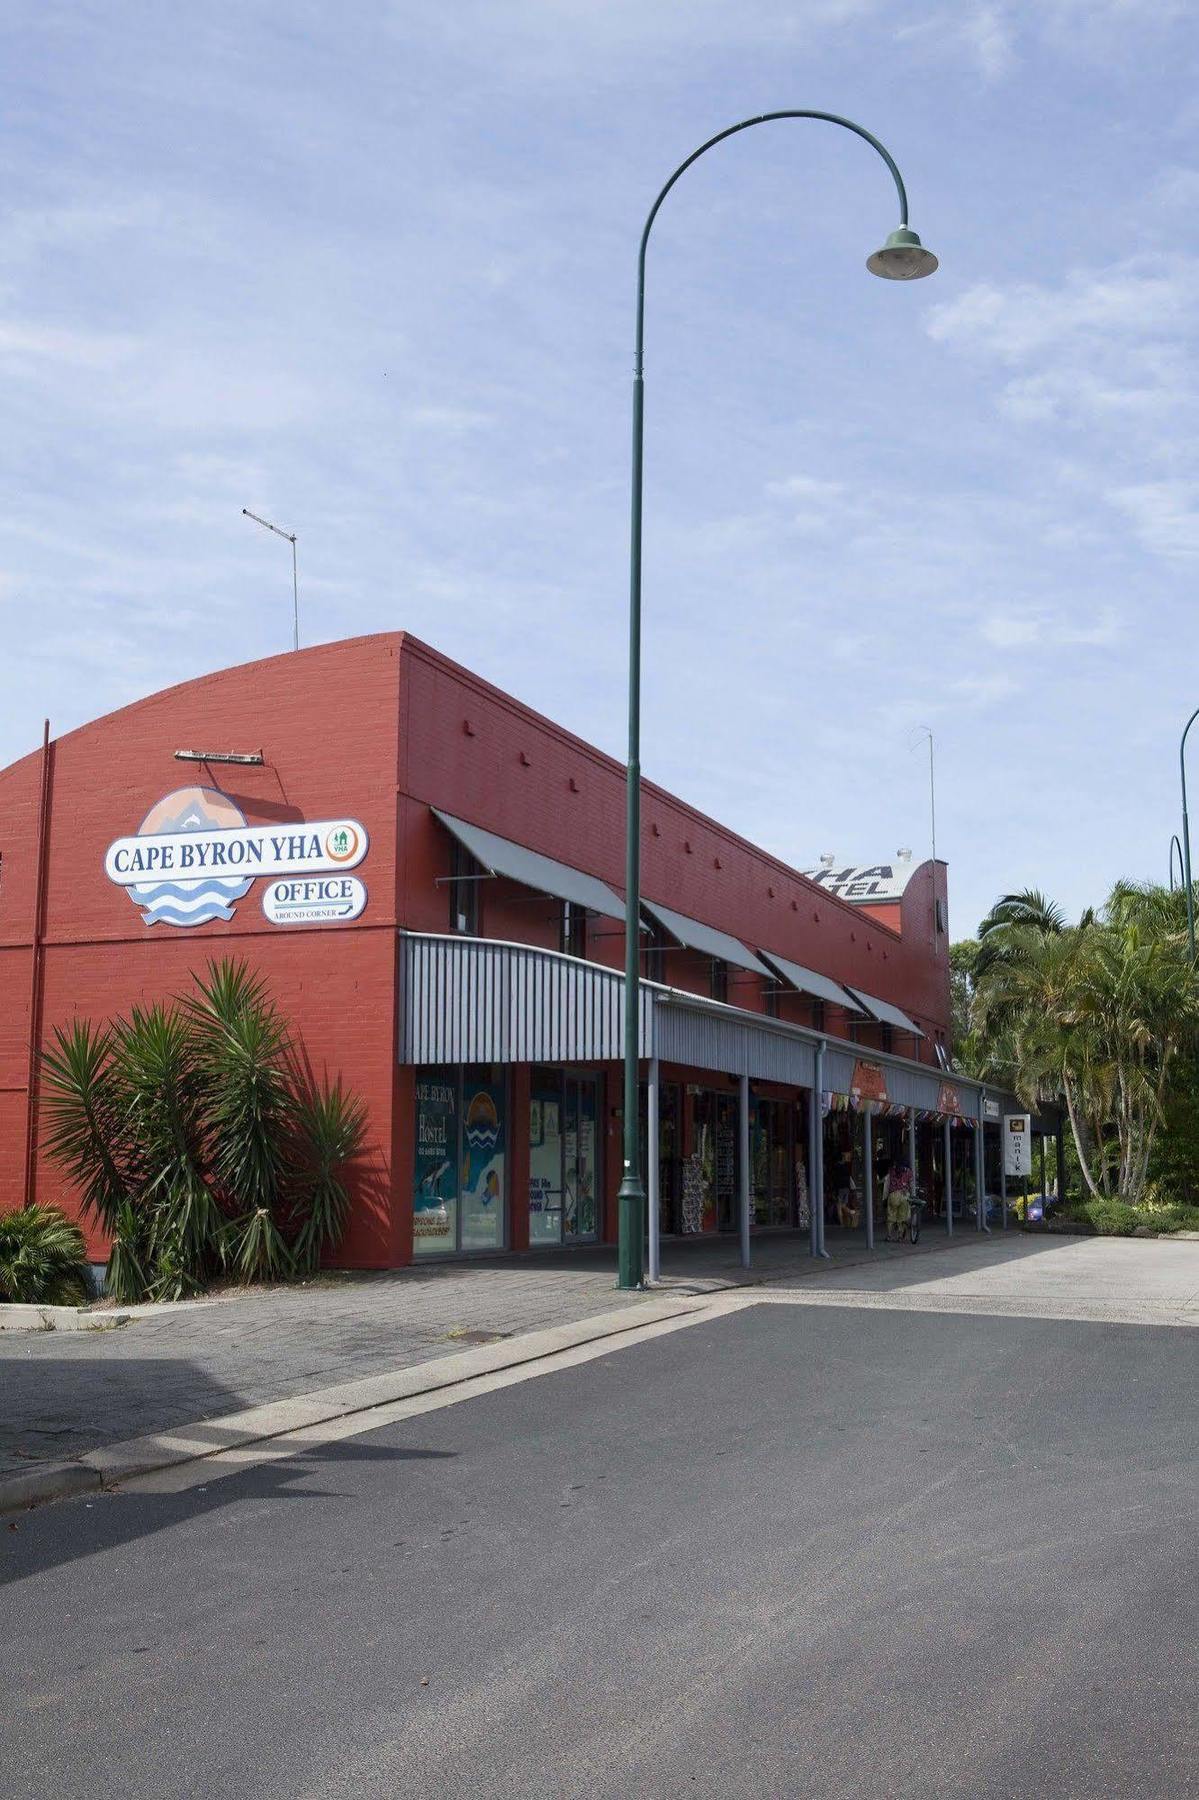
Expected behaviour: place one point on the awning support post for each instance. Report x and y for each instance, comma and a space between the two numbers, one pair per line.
948, 1180
818, 1150
653, 1171
912, 1145
980, 1169
813, 1128
868, 1111
743, 1125
1061, 1160
1003, 1174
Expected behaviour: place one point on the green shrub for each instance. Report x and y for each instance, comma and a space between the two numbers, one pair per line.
199, 1139
1109, 1218
42, 1259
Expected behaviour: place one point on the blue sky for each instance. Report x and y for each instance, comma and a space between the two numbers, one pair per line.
369, 270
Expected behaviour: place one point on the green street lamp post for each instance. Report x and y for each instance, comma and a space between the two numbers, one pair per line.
1186, 835
902, 258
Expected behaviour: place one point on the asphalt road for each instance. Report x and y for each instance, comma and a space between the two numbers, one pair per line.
794, 1551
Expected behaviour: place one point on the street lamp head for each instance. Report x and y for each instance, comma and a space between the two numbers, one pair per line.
902, 258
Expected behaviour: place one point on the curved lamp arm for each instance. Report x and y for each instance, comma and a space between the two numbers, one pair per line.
1176, 844
731, 131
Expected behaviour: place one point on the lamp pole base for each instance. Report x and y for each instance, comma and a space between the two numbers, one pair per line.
631, 1233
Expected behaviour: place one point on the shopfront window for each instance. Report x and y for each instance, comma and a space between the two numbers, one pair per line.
710, 1175
460, 1187
435, 1201
772, 1166
564, 1177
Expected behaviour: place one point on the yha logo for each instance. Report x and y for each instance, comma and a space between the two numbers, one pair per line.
163, 897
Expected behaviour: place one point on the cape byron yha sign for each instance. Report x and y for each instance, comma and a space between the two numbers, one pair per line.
194, 857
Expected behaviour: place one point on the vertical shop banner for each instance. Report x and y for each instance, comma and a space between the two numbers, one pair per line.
1017, 1145
435, 1196
482, 1185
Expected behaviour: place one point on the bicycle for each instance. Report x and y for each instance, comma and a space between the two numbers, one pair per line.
915, 1207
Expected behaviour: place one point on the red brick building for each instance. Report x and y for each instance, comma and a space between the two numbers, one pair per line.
467, 986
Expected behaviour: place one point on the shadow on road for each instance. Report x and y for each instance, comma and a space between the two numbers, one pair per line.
50, 1536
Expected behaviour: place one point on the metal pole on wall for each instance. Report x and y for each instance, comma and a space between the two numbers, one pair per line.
912, 1145
980, 1171
868, 1110
743, 1131
1003, 1173
295, 575
902, 258
652, 1173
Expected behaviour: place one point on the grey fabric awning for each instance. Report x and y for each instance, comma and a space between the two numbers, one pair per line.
807, 981
693, 935
886, 1014
499, 856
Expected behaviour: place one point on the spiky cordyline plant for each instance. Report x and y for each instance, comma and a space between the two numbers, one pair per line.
198, 1140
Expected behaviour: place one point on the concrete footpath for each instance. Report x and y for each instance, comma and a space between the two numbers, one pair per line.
85, 1409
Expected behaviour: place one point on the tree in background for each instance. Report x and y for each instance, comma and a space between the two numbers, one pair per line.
1098, 1014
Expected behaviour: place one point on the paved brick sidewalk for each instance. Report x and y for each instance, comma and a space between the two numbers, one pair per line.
64, 1393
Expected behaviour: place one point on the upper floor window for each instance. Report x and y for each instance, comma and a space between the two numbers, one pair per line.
653, 950
573, 929
464, 887
818, 1016
888, 1036
719, 979
773, 990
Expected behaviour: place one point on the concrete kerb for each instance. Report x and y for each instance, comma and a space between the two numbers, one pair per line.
19, 1316
107, 1467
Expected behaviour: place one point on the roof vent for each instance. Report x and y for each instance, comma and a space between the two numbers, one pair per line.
903, 855
827, 858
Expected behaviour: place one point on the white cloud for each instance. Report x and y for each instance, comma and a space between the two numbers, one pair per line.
1141, 296
24, 346
1164, 515
982, 34
1013, 630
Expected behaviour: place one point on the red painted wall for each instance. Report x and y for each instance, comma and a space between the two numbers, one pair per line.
379, 729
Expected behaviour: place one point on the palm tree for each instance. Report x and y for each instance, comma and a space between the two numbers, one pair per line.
1093, 1014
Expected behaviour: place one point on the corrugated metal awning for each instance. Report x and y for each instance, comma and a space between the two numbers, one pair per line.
807, 981
886, 1014
500, 856
693, 935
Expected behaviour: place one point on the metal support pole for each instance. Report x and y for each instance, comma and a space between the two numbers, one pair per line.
948, 1181
1186, 835
1043, 1188
743, 1128
912, 1144
980, 1170
868, 1111
903, 257
1002, 1174
818, 1152
295, 596
652, 1173
1061, 1160
813, 1128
